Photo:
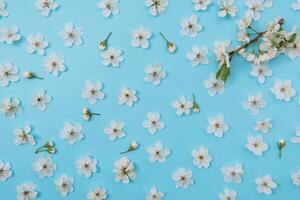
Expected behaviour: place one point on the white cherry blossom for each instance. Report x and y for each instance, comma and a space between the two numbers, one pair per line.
54, 64
86, 166
37, 44
198, 55
214, 85
64, 185
296, 5
190, 27
24, 136
9, 35
263, 126
71, 132
202, 158
5, 171
109, 7
153, 123
124, 170
296, 178
97, 193
182, 106
265, 184
296, 139
140, 38
261, 72
228, 194
227, 7
11, 107
283, 90
156, 7
155, 74
8, 74
46, 6
92, 91
115, 130
255, 103
256, 145
201, 4
26, 191
217, 125
41, 100
233, 173
183, 177
155, 194
71, 35
112, 57
127, 96
44, 166
255, 7
3, 11
157, 152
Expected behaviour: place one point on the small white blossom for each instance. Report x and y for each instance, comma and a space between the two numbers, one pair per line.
217, 125
54, 64
9, 35
228, 194
86, 166
198, 55
153, 123
227, 7
64, 185
265, 184
296, 139
296, 178
190, 27
97, 193
112, 57
183, 177
140, 38
255, 103
46, 6
26, 191
127, 96
115, 130
10, 107
202, 158
283, 90
255, 7
157, 152
71, 133
263, 126
261, 72
44, 166
155, 194
36, 43
71, 35
214, 85
3, 11
109, 7
8, 73
92, 91
124, 170
182, 106
201, 4
23, 136
155, 74
40, 100
233, 173
156, 7
5, 171
296, 5
221, 51
256, 145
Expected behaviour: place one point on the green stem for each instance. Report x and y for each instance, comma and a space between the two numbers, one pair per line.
108, 36
164, 37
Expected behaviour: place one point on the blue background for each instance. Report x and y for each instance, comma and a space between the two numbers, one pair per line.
181, 135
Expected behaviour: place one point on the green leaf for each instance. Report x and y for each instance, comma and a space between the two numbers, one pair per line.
292, 38
223, 73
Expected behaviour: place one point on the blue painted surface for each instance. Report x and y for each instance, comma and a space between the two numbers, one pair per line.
181, 135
